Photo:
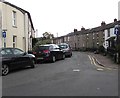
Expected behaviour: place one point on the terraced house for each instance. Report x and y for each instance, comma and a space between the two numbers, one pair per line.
90, 39
16, 27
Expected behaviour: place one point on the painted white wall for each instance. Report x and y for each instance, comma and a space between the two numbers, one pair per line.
105, 44
119, 10
17, 31
20, 31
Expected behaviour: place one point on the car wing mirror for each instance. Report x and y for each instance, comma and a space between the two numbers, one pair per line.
24, 53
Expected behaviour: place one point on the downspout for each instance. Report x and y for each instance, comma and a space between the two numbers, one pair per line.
24, 38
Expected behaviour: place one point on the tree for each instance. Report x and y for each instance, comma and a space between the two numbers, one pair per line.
46, 39
34, 41
48, 35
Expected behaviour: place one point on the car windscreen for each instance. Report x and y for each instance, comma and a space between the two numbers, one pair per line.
63, 46
41, 48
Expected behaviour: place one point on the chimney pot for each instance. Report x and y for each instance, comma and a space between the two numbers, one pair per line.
103, 23
75, 30
115, 20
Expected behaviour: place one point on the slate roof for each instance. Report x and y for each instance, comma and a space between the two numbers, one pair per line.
107, 26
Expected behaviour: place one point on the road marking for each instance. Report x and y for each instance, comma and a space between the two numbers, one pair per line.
100, 68
96, 64
90, 59
76, 70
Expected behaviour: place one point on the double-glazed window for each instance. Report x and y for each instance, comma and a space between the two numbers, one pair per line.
14, 19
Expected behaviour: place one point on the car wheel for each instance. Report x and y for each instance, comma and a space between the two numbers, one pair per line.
63, 56
5, 70
33, 63
53, 59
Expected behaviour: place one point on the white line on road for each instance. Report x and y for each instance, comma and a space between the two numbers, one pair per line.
76, 70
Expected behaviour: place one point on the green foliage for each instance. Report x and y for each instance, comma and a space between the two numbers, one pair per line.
46, 39
42, 42
48, 35
34, 41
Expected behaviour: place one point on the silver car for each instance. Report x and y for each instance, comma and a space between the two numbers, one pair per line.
66, 48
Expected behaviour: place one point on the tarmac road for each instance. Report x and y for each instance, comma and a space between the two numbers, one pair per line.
75, 76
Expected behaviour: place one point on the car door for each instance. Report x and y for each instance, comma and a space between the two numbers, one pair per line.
20, 57
58, 52
9, 58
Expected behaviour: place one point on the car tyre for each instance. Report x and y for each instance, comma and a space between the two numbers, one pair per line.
63, 57
5, 70
33, 63
53, 59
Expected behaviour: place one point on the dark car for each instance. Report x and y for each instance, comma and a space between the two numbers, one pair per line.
66, 48
14, 58
48, 52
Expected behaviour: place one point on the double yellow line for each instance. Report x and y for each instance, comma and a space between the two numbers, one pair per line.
93, 62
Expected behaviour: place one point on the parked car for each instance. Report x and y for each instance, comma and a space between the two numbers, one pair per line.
66, 48
48, 52
14, 58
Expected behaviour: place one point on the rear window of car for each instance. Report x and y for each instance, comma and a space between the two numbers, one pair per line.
63, 46
40, 48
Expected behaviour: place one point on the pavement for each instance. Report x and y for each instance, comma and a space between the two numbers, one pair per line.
104, 61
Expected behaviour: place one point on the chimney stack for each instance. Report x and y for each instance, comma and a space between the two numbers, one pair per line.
75, 30
82, 28
103, 23
115, 20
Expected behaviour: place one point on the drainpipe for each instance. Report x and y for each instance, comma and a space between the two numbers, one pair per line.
25, 32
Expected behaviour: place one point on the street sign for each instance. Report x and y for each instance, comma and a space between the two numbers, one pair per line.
4, 34
117, 29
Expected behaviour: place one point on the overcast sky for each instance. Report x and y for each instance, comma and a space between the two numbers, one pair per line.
62, 16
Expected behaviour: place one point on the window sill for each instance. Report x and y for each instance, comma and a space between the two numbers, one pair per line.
14, 26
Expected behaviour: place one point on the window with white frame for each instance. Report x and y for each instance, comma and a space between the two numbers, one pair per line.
14, 41
14, 18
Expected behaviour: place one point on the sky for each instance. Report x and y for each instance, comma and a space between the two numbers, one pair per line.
61, 17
